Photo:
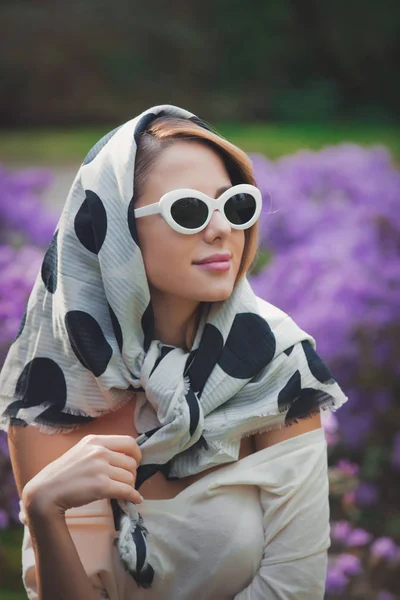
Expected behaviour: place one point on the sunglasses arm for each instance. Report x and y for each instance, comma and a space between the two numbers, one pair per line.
151, 209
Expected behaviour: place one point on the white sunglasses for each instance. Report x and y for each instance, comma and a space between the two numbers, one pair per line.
189, 211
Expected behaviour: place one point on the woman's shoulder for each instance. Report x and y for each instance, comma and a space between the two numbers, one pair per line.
116, 422
31, 449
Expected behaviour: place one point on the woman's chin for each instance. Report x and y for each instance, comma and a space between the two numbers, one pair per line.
216, 293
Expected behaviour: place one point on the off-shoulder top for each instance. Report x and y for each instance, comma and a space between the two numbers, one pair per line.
246, 531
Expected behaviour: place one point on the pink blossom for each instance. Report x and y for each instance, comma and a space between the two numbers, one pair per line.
347, 467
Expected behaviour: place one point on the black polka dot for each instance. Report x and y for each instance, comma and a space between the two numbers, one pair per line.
200, 444
49, 265
289, 351
42, 380
15, 422
306, 403
205, 358
163, 352
87, 341
53, 416
190, 359
116, 327
250, 346
144, 472
91, 222
194, 411
316, 365
291, 390
22, 324
147, 323
93, 152
151, 432
143, 124
117, 514
200, 122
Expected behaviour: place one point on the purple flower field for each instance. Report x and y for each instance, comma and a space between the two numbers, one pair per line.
330, 257
331, 237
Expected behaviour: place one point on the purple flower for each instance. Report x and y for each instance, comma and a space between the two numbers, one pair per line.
396, 451
17, 277
3, 519
21, 205
26, 228
332, 231
383, 595
340, 531
382, 400
384, 547
4, 449
349, 564
330, 424
358, 537
336, 580
367, 494
347, 467
355, 427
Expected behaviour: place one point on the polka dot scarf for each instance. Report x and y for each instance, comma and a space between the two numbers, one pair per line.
85, 344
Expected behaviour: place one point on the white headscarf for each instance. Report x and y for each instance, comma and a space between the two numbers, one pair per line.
86, 344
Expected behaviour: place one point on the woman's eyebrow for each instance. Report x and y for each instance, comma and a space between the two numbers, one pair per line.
221, 190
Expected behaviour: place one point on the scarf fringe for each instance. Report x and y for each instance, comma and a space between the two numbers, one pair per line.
44, 427
332, 404
186, 386
131, 530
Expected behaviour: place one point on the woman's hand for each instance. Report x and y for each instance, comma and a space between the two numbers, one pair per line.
97, 467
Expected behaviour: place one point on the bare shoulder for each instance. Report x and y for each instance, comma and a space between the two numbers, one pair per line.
269, 438
31, 450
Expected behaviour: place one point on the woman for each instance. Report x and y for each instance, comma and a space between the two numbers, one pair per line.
143, 341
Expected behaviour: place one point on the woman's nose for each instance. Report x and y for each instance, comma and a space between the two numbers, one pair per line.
218, 222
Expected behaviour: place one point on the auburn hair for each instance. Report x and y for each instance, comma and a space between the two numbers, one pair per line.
159, 135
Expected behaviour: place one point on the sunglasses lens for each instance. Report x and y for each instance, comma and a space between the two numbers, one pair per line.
189, 212
240, 208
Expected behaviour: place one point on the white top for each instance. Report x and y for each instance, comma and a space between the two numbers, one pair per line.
254, 529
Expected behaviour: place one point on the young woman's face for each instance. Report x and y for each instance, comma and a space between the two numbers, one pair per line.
169, 256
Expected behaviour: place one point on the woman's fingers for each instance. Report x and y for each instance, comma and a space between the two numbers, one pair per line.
121, 475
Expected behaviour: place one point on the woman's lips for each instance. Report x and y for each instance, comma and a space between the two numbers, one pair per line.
224, 265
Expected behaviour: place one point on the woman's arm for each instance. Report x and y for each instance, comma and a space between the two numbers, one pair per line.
59, 571
83, 535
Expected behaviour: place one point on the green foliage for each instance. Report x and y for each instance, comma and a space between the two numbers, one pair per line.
10, 561
93, 63
55, 146
7, 595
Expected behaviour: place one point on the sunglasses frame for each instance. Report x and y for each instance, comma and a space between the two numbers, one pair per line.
163, 206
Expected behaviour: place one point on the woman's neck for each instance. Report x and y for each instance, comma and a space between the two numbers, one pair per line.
175, 318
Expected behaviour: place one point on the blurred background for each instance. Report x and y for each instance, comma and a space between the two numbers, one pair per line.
310, 90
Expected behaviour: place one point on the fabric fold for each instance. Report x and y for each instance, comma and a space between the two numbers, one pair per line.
270, 511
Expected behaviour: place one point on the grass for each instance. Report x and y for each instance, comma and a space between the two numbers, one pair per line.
6, 595
61, 146
275, 140
11, 567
